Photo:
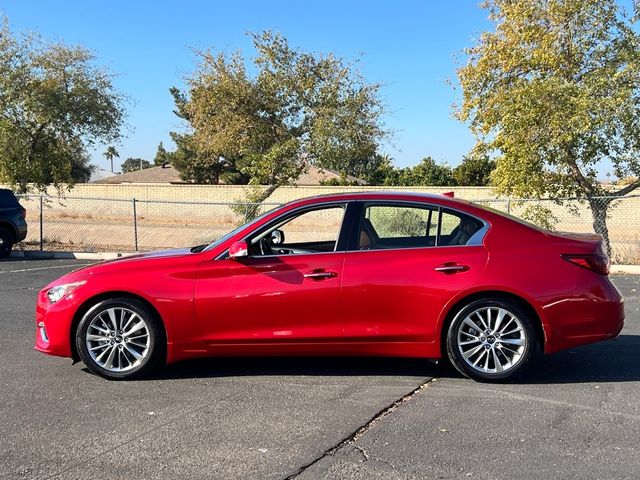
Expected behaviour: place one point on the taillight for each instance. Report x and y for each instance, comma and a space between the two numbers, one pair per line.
594, 262
24, 213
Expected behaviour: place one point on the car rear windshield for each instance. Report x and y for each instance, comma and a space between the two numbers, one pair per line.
7, 198
511, 217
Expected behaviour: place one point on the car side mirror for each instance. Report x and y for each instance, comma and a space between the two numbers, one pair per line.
239, 249
277, 237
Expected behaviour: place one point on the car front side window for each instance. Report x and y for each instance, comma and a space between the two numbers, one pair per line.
314, 230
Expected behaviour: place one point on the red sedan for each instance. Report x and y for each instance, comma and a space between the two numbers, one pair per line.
395, 274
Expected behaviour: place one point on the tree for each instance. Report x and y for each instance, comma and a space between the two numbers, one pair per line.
196, 163
133, 164
429, 173
110, 153
553, 92
54, 103
294, 109
474, 171
162, 156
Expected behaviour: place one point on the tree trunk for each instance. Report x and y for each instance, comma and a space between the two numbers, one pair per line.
254, 202
22, 186
599, 209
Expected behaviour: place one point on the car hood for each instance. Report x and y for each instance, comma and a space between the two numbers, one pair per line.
126, 261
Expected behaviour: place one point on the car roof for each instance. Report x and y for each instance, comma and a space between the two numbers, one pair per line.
382, 195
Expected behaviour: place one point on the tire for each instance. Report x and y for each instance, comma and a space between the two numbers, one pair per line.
491, 340
120, 339
6, 242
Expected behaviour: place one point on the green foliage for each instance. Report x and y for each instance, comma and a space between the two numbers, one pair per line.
162, 156
110, 153
553, 92
132, 164
197, 163
294, 109
541, 216
426, 173
54, 102
474, 171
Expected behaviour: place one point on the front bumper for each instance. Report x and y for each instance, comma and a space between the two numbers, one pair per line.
53, 325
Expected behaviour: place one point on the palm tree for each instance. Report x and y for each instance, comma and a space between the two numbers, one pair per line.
111, 153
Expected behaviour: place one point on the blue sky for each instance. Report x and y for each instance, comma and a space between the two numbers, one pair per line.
412, 47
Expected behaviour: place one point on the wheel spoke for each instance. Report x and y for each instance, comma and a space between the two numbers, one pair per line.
499, 319
132, 351
486, 327
96, 338
467, 321
109, 361
501, 332
512, 341
112, 317
124, 328
105, 331
100, 345
469, 353
496, 360
510, 332
480, 357
135, 328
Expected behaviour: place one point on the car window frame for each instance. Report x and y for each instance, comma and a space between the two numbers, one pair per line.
476, 240
344, 235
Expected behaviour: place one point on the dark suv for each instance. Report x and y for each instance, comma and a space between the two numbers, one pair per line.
13, 223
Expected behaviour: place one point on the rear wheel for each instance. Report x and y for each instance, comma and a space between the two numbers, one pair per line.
491, 340
120, 338
6, 242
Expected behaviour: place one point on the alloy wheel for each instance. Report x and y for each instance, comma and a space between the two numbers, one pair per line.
491, 340
118, 339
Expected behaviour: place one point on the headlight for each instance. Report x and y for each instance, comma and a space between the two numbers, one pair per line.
55, 294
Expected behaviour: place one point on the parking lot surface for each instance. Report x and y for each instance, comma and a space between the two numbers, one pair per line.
576, 414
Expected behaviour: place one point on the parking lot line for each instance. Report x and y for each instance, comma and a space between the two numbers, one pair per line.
75, 265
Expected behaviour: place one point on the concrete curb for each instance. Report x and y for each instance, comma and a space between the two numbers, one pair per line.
625, 269
35, 254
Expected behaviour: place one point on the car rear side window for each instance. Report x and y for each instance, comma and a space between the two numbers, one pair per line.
7, 198
407, 226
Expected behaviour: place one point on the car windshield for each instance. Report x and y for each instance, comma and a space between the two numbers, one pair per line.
226, 237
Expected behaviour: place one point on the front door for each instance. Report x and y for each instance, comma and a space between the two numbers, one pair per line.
286, 291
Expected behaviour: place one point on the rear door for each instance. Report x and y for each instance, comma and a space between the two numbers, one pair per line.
407, 261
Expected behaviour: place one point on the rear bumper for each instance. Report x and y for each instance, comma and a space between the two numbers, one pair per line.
20, 228
22, 233
591, 317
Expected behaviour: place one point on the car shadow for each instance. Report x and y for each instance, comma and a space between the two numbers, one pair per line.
296, 366
612, 361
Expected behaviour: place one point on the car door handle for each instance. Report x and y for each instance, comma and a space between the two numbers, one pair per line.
451, 268
320, 275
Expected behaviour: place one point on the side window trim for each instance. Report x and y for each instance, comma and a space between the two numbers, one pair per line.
476, 239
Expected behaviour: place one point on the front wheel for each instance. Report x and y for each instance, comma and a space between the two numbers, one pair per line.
491, 340
120, 338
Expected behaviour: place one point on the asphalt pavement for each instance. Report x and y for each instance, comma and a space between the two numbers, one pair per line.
576, 414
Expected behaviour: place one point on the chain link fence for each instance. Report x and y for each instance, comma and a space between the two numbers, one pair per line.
89, 224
